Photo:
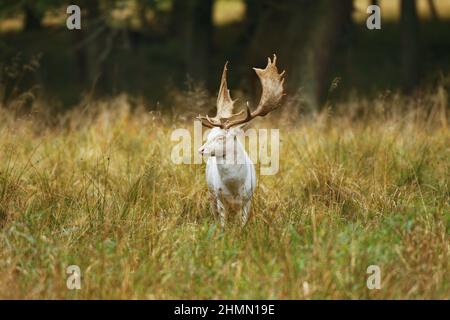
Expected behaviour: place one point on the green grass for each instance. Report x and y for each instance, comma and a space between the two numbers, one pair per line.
99, 191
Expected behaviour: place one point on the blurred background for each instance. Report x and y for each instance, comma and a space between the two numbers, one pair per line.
151, 48
86, 125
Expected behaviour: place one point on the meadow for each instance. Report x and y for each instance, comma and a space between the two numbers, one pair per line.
365, 183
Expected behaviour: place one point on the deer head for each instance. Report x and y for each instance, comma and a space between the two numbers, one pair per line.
226, 124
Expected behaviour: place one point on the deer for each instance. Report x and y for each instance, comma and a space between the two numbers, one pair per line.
230, 173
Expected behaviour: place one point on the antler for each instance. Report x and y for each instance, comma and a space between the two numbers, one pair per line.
225, 105
272, 92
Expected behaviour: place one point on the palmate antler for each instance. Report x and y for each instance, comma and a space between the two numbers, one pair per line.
272, 92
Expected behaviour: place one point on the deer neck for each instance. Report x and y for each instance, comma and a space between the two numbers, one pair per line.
234, 167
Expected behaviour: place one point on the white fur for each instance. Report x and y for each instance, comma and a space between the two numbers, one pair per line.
230, 174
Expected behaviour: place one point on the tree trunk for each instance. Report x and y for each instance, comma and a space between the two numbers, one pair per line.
433, 9
409, 45
193, 26
305, 35
254, 10
88, 43
328, 33
33, 18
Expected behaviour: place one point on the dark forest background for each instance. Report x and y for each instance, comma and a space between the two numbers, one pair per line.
147, 48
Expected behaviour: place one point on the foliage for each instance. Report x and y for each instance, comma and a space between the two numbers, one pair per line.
40, 6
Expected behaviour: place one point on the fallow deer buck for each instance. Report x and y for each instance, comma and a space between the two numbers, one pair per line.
232, 183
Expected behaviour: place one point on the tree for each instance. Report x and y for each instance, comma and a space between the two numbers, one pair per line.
33, 16
433, 9
92, 44
409, 45
33, 10
305, 34
193, 27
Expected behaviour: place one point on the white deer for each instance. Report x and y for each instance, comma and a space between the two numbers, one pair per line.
230, 173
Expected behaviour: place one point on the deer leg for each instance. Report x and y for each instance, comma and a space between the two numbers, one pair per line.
214, 207
222, 213
245, 212
222, 208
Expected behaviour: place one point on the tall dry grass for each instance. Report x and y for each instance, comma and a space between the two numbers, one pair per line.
364, 184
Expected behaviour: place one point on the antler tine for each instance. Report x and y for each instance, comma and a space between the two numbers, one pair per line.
208, 122
234, 122
272, 88
225, 104
272, 84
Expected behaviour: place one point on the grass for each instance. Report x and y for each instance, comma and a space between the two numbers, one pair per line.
97, 189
